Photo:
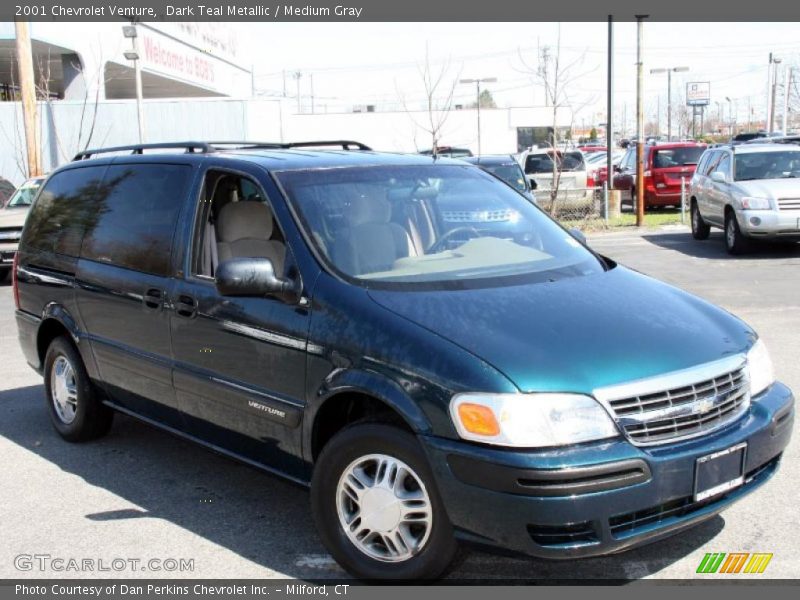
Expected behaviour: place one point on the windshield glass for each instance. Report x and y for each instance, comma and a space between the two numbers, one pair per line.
24, 194
677, 157
511, 173
767, 165
429, 224
543, 163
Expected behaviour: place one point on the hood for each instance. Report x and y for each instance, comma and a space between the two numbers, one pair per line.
577, 334
771, 188
13, 217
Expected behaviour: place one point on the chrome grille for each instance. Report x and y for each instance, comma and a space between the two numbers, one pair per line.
10, 234
683, 407
789, 203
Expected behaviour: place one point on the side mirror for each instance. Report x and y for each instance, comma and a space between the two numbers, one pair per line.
719, 177
533, 184
617, 169
578, 235
250, 277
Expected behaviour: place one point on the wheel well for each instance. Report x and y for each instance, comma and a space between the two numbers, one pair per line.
49, 330
728, 209
343, 409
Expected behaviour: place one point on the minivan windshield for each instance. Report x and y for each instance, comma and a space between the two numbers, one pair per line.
511, 173
543, 162
434, 224
25, 194
767, 165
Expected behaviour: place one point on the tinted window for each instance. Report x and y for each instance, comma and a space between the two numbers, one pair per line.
767, 165
712, 163
512, 174
665, 158
138, 207
543, 163
724, 164
65, 209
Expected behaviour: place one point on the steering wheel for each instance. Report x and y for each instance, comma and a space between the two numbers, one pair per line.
438, 245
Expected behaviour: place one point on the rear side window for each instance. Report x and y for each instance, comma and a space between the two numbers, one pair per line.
137, 211
64, 209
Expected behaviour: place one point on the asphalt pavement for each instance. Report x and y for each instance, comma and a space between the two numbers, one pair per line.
140, 494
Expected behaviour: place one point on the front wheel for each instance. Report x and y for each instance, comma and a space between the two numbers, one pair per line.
376, 506
700, 229
735, 241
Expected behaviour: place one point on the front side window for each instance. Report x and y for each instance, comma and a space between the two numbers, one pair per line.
432, 224
724, 165
767, 165
137, 211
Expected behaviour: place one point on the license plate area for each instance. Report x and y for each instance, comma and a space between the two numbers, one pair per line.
720, 472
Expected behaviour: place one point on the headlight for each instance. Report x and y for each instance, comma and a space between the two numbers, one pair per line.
751, 203
530, 420
760, 366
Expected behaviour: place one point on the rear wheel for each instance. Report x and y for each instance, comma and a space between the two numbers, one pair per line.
74, 407
376, 506
700, 229
735, 241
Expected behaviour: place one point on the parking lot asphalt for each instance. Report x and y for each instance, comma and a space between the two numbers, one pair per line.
143, 494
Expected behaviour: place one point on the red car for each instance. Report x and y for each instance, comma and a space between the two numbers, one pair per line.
664, 167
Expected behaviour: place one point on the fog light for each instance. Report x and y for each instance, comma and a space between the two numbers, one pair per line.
755, 221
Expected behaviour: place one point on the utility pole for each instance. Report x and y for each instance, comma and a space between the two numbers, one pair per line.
311, 78
787, 82
610, 106
773, 88
27, 88
669, 71
639, 121
297, 76
478, 83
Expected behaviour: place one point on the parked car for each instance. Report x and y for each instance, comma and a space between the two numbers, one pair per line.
752, 191
12, 219
7, 190
506, 167
665, 165
597, 167
571, 164
448, 152
308, 313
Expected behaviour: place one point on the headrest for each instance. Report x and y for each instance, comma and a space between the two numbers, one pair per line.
369, 206
241, 220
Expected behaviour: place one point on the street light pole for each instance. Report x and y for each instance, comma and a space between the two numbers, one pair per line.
639, 121
131, 32
478, 83
669, 71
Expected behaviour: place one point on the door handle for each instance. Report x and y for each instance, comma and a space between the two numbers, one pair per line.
153, 298
186, 306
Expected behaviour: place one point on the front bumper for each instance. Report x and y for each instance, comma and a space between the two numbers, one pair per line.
599, 498
771, 224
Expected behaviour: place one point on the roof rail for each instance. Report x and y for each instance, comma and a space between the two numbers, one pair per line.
344, 144
189, 147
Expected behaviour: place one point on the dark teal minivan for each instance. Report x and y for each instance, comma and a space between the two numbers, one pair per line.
408, 336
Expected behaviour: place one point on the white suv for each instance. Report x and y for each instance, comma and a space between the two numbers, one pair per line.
751, 191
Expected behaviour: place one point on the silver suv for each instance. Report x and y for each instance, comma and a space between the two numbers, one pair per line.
751, 191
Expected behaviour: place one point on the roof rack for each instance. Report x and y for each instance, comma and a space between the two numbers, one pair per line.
208, 147
189, 147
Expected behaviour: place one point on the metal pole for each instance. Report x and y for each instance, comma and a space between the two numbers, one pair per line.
669, 105
478, 106
683, 199
609, 111
311, 79
768, 116
605, 201
639, 121
787, 82
774, 90
137, 69
27, 88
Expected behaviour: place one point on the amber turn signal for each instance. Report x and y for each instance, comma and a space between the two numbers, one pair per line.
478, 419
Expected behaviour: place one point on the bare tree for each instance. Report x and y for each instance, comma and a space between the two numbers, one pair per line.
439, 91
557, 78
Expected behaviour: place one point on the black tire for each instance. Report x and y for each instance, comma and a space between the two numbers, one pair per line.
352, 444
700, 229
735, 241
92, 419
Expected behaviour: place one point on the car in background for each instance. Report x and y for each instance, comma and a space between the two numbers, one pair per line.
597, 167
12, 219
448, 151
751, 191
665, 165
7, 189
571, 164
506, 168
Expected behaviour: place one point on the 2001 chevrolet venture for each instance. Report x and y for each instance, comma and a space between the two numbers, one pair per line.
308, 309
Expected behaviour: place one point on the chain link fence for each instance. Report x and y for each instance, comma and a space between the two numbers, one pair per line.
585, 207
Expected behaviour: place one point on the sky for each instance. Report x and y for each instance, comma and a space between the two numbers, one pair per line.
379, 63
